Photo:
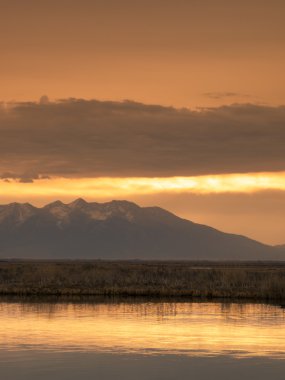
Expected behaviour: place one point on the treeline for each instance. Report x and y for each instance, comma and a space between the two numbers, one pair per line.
200, 279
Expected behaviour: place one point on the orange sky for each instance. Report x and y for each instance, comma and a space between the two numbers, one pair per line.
172, 53
180, 53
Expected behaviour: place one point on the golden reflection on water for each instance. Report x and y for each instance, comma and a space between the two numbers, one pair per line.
241, 330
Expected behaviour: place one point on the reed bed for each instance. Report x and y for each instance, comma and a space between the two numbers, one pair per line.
154, 279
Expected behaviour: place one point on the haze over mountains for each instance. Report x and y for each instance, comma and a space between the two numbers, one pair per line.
117, 230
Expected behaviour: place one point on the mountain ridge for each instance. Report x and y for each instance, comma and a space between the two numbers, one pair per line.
118, 229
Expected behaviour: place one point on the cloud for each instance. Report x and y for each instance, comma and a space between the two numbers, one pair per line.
90, 138
22, 178
44, 99
222, 95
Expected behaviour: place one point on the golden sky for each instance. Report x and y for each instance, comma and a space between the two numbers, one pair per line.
205, 120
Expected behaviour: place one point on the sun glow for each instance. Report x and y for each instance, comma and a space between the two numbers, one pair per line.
123, 187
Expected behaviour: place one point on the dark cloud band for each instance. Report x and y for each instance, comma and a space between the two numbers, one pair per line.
75, 138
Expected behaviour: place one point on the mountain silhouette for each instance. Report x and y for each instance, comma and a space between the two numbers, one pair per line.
117, 230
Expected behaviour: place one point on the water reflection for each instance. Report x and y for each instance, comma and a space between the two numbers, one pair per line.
184, 328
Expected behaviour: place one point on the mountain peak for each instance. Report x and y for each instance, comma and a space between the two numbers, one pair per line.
20, 212
57, 203
79, 202
19, 205
58, 209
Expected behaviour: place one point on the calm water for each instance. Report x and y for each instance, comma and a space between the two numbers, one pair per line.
141, 340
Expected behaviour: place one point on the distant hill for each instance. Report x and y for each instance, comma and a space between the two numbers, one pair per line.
280, 248
117, 230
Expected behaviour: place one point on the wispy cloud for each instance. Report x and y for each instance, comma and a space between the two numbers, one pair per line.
223, 95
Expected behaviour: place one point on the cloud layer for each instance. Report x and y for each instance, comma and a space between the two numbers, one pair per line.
82, 138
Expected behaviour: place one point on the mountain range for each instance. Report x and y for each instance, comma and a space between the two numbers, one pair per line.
118, 230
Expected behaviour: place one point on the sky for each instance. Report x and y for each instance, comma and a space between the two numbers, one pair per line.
178, 104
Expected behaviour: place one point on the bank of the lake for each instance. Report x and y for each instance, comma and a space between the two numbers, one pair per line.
242, 280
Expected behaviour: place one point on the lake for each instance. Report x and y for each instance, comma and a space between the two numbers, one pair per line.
140, 339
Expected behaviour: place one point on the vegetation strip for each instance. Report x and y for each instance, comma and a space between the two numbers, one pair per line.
140, 278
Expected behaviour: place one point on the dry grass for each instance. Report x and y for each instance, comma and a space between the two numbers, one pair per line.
191, 279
